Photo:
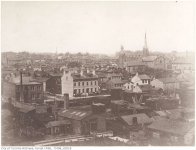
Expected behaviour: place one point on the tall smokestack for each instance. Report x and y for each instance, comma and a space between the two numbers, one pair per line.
21, 88
66, 101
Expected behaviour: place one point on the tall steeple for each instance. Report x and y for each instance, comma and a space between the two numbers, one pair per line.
145, 48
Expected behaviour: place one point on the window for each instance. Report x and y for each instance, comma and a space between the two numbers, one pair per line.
83, 90
95, 83
93, 125
87, 83
78, 91
78, 83
91, 83
83, 83
38, 95
91, 89
75, 91
33, 96
74, 83
95, 89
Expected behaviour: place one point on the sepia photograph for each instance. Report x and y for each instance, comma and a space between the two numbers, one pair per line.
98, 73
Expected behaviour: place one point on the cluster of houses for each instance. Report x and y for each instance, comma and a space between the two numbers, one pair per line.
135, 106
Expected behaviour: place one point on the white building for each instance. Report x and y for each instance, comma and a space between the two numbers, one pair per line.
76, 84
140, 79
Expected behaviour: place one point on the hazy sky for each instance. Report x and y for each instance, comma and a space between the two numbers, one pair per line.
97, 27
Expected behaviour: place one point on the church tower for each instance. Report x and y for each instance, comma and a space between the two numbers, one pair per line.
145, 48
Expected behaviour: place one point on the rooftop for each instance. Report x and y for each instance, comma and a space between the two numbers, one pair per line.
141, 119
144, 76
171, 126
149, 58
57, 123
74, 114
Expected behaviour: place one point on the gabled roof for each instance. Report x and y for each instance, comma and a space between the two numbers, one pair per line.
171, 126
149, 58
144, 76
141, 119
74, 114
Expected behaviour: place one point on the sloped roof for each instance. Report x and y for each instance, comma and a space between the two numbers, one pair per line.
149, 58
171, 126
144, 76
74, 114
25, 108
135, 63
141, 119
57, 123
40, 79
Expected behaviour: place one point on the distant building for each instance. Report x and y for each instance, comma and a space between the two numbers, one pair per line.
114, 80
141, 79
32, 91
183, 65
169, 85
83, 83
83, 121
156, 62
135, 66
175, 132
53, 84
126, 56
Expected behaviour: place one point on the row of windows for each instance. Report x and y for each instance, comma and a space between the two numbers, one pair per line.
85, 83
87, 90
33, 88
144, 81
118, 85
35, 96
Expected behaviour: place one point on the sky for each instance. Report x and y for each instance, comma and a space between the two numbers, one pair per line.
97, 27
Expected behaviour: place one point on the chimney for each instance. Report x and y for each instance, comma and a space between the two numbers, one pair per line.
66, 101
81, 72
21, 88
94, 72
87, 70
134, 121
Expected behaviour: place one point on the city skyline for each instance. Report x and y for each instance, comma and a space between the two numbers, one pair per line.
97, 27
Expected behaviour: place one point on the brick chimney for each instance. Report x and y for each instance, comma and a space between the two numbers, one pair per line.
66, 101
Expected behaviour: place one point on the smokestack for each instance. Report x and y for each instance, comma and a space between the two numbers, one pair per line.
66, 101
21, 88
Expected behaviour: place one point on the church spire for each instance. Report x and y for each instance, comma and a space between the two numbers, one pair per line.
145, 49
